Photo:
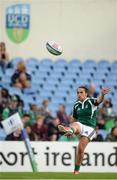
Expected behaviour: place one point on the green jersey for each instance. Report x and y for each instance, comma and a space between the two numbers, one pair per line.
85, 112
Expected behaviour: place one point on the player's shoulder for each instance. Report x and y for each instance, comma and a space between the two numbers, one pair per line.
76, 103
93, 100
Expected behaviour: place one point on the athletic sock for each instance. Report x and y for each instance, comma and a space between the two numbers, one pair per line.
73, 129
77, 167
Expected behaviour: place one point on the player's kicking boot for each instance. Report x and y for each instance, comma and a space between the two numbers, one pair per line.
76, 172
66, 130
77, 169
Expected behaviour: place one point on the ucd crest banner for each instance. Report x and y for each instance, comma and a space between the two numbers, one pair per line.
18, 22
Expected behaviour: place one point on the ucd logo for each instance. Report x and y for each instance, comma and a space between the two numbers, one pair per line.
18, 22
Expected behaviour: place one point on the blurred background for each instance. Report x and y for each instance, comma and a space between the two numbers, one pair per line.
41, 86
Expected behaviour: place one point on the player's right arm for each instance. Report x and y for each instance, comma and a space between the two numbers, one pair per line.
100, 98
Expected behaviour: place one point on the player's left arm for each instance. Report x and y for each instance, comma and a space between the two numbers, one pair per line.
100, 98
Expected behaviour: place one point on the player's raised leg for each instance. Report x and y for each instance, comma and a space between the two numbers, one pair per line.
74, 128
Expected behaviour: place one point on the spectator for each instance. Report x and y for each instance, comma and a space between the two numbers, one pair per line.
107, 109
113, 135
4, 100
33, 113
30, 133
15, 136
12, 107
99, 136
62, 115
44, 108
45, 111
25, 119
92, 90
20, 106
108, 114
4, 57
53, 133
21, 79
39, 129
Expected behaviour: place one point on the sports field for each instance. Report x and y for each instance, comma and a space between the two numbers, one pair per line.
52, 176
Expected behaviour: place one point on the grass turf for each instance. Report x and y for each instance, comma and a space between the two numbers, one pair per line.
61, 176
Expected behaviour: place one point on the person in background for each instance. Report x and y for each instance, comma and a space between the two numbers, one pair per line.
62, 115
15, 136
21, 79
107, 109
53, 133
45, 111
12, 107
33, 113
25, 119
40, 129
92, 90
113, 135
4, 57
4, 100
108, 115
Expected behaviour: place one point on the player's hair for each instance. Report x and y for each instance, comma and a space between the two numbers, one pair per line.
85, 88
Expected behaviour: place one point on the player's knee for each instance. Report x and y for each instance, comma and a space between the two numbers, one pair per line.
76, 127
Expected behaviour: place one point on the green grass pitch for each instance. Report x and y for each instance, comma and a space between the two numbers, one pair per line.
52, 176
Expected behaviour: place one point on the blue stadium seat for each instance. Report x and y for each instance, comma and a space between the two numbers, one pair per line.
9, 72
46, 62
44, 68
66, 81
53, 106
75, 65
50, 86
85, 75
114, 66
32, 61
57, 100
4, 84
71, 98
89, 63
74, 62
28, 100
103, 64
14, 90
82, 81
26, 107
70, 76
98, 82
61, 63
6, 79
53, 79
100, 76
32, 64
46, 95
36, 80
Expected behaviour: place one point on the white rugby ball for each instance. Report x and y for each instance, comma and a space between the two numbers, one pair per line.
54, 48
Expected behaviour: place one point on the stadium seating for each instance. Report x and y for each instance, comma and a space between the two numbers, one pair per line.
57, 81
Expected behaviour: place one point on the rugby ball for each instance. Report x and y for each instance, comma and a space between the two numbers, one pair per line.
54, 48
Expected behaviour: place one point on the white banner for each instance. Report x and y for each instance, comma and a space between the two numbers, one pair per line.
12, 123
58, 157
